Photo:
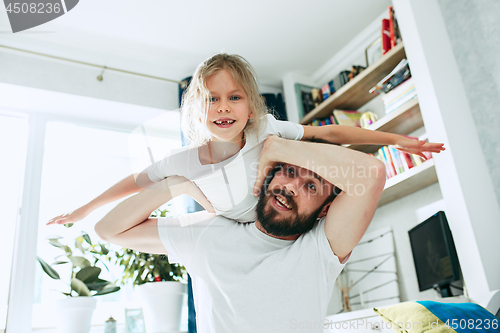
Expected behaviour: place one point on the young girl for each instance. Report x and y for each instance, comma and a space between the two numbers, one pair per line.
226, 121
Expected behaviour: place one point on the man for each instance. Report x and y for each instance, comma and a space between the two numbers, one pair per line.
274, 275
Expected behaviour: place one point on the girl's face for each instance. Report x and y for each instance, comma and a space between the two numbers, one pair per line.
229, 108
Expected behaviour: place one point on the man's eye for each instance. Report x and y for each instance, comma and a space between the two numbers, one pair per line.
290, 171
312, 187
235, 98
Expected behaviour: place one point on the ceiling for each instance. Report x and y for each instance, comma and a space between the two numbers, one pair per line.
169, 38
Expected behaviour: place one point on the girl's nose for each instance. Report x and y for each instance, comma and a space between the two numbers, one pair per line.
223, 107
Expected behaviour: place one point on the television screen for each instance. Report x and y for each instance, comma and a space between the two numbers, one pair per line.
434, 253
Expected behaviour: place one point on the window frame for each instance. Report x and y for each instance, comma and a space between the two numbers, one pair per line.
42, 107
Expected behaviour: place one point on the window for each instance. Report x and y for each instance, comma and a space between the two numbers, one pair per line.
80, 163
13, 145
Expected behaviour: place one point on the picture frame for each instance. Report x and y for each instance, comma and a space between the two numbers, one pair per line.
134, 321
373, 52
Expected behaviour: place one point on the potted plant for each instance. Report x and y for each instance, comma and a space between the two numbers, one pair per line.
76, 310
161, 285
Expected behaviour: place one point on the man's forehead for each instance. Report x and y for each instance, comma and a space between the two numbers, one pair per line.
303, 172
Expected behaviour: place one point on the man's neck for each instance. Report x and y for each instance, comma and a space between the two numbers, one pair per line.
261, 228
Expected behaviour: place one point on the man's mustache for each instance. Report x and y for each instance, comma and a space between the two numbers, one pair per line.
288, 198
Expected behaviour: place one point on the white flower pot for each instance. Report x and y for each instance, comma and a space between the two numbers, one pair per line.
75, 314
162, 305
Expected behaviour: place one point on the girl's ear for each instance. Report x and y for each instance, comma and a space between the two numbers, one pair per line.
250, 115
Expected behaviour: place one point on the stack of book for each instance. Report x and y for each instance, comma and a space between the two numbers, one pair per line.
399, 95
396, 161
340, 117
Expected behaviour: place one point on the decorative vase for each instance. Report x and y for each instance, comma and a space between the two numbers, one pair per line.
162, 305
75, 314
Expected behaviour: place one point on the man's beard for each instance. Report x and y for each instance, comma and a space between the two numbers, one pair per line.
281, 226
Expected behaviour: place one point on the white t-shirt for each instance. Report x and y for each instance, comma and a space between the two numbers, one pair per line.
246, 281
228, 185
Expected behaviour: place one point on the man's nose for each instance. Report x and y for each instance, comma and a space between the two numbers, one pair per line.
292, 187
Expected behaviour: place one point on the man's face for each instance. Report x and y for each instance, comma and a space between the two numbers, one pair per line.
293, 201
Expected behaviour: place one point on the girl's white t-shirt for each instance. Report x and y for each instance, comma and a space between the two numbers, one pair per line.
228, 185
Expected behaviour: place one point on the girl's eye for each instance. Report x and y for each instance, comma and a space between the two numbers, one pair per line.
212, 99
235, 98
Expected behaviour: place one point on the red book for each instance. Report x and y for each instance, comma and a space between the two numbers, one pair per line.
386, 36
408, 160
391, 27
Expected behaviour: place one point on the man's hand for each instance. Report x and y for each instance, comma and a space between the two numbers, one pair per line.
267, 162
418, 147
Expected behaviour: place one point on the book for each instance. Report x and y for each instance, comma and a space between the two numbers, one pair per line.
399, 91
399, 74
398, 164
391, 27
299, 90
307, 102
389, 168
326, 91
332, 87
407, 162
333, 120
348, 118
317, 96
386, 36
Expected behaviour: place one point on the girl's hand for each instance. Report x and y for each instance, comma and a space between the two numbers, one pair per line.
72, 217
418, 147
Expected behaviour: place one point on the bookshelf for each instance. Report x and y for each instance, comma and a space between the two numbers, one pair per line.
355, 93
404, 120
410, 181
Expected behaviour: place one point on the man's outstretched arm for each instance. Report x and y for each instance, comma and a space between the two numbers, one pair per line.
360, 177
129, 225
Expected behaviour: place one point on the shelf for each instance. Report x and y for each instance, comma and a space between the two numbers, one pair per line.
408, 182
355, 93
404, 120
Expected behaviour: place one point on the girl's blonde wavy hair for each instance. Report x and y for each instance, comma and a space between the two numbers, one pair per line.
195, 100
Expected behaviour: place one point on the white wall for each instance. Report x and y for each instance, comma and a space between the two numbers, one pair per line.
477, 54
56, 75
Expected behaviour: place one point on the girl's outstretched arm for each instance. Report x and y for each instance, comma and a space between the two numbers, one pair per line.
123, 188
355, 135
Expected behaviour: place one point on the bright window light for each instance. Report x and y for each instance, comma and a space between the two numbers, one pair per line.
79, 164
13, 144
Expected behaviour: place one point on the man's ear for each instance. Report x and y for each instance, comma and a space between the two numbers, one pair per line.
324, 210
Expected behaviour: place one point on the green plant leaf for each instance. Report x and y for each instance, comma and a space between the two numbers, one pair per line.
48, 269
88, 274
79, 287
56, 243
104, 250
78, 244
54, 237
87, 238
59, 263
68, 225
97, 285
79, 261
108, 289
